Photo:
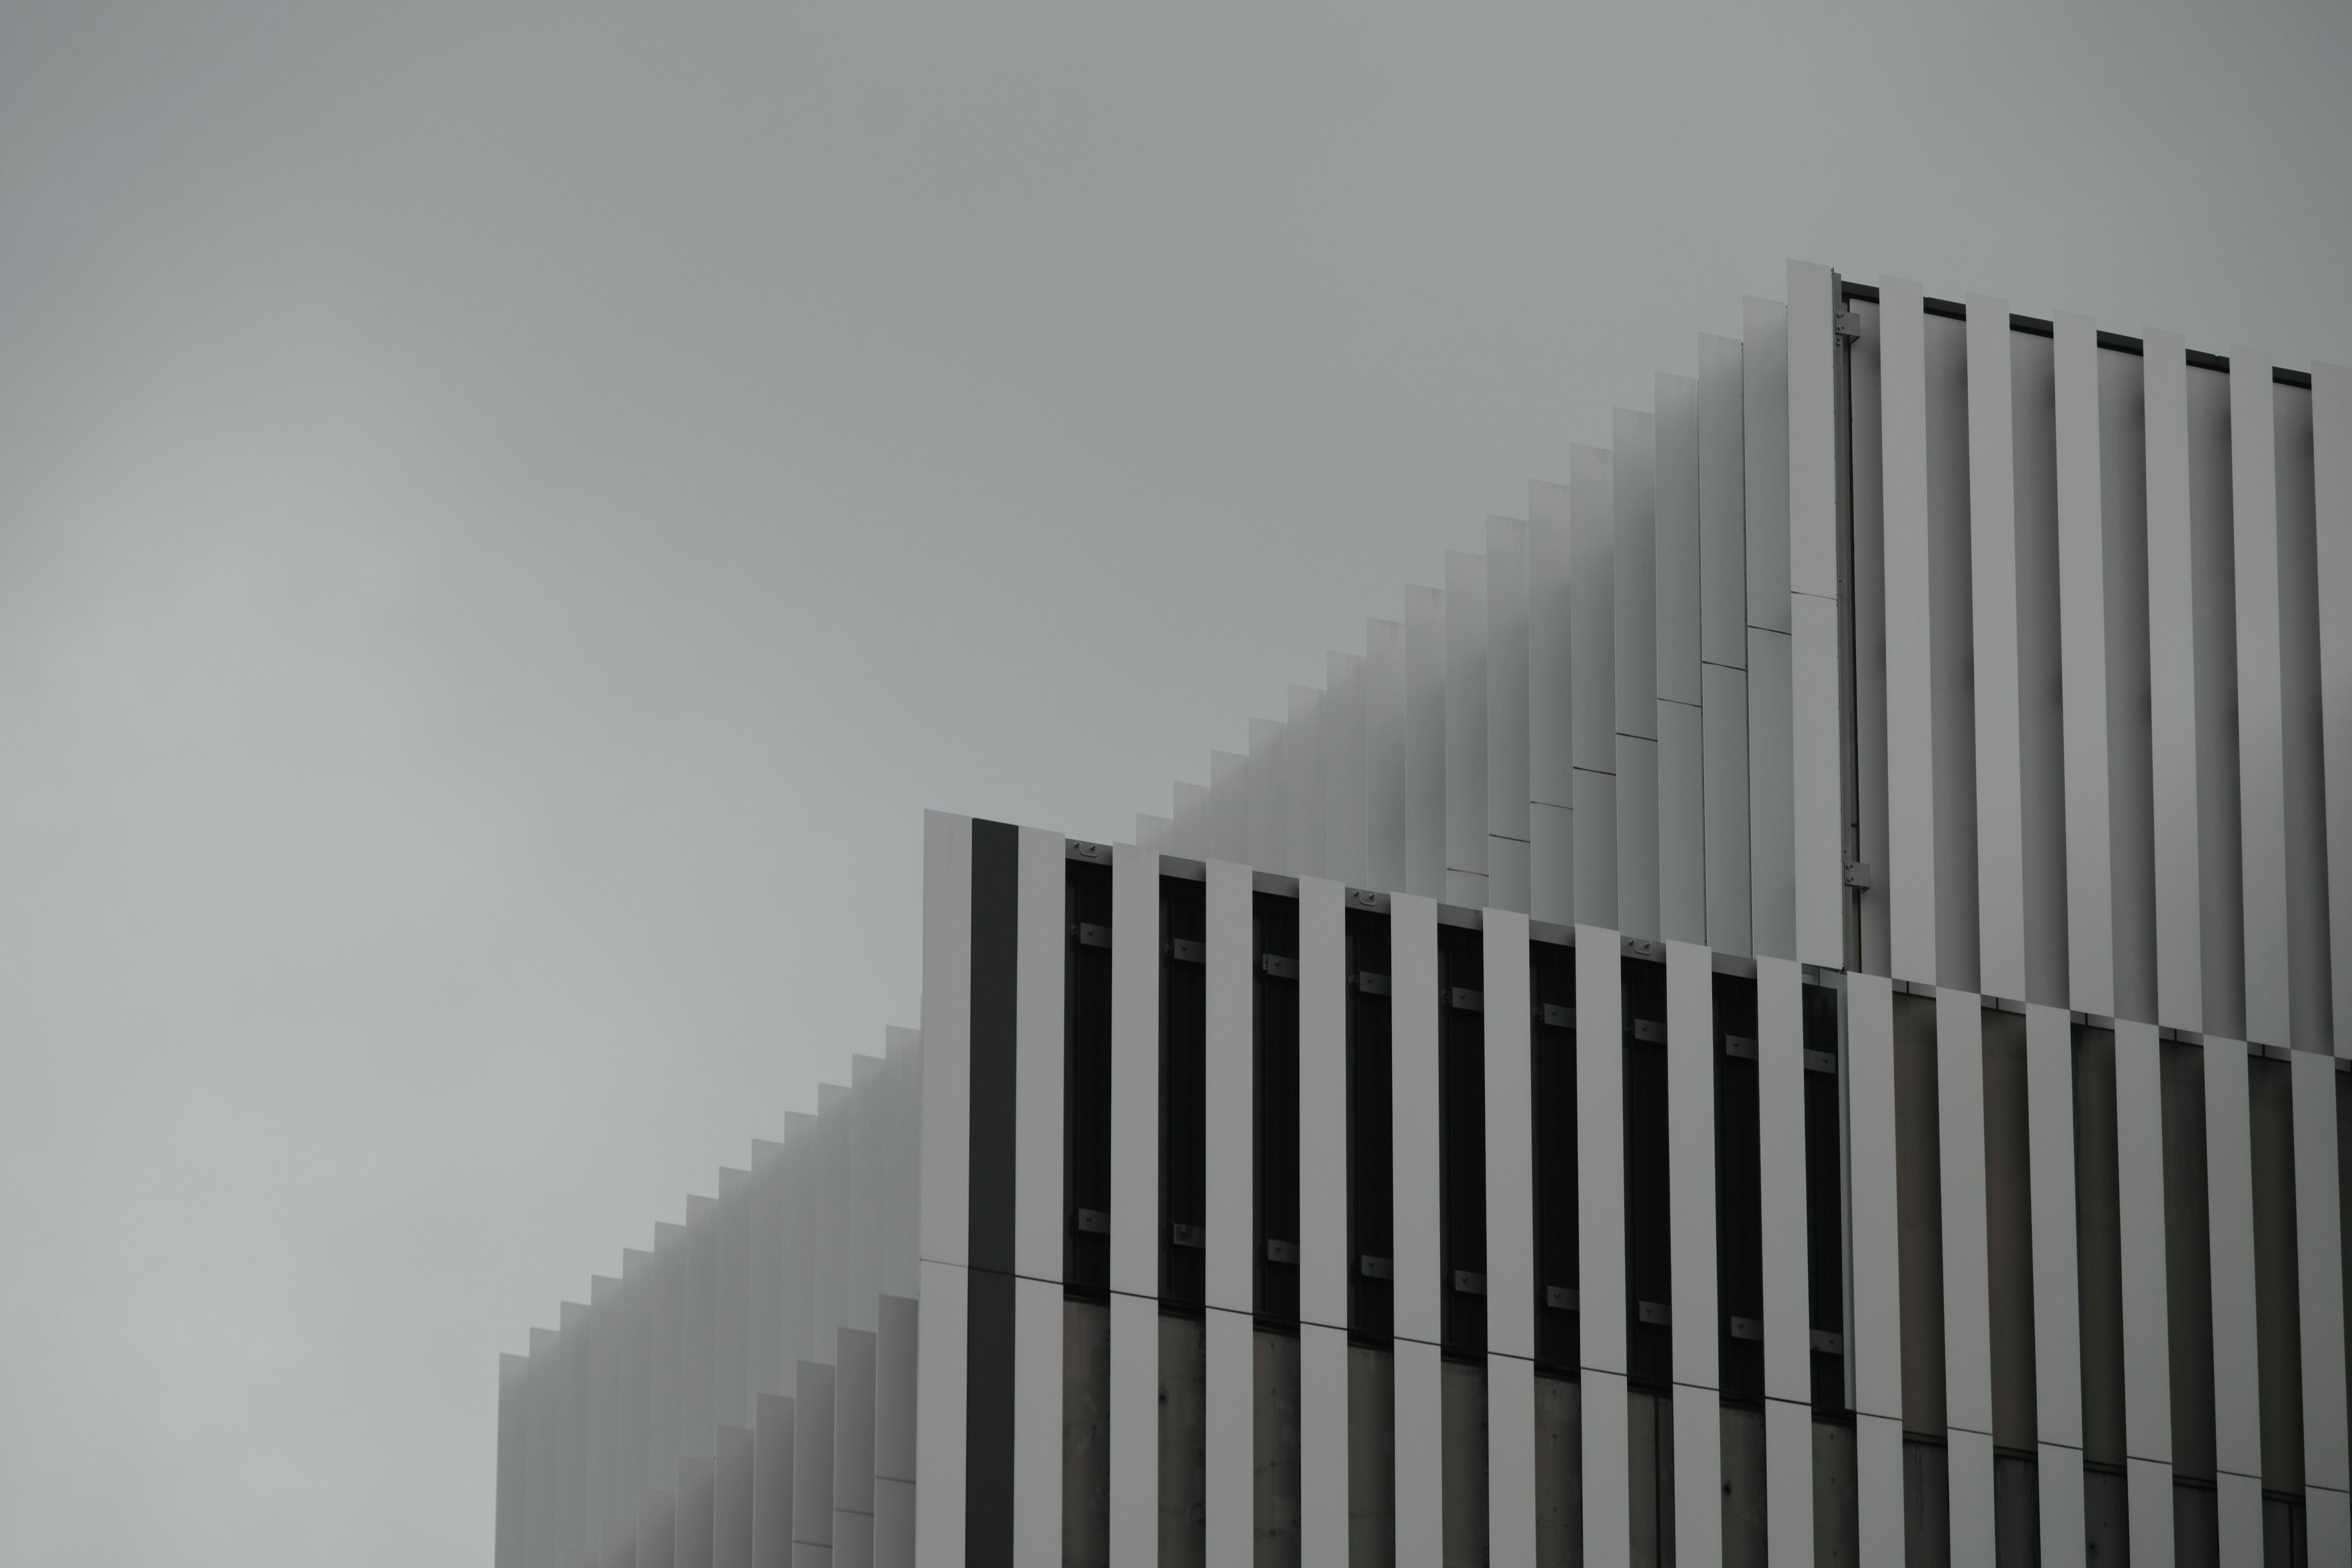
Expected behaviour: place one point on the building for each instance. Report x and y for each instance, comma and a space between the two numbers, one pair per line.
1844, 889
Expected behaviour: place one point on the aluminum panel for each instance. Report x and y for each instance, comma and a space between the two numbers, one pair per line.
1268, 817
1413, 1111
2058, 1471
2149, 1490
1690, 1139
2057, 1313
1968, 1323
1789, 1483
942, 1368
1038, 1209
1992, 556
2139, 1215
1510, 873
2083, 631
1878, 1488
2320, 1273
1229, 1442
1780, 1170
1188, 830
1550, 669
1551, 864
1134, 1431
1608, 1473
2327, 1526
1592, 601
1302, 785
1510, 1142
1811, 350
1424, 741
1682, 822
1722, 504
2239, 1500
1600, 1170
1384, 754
1420, 1451
1675, 498
1724, 736
2230, 1208
1593, 856
1637, 835
1764, 397
1506, 679
1866, 580
947, 1036
1510, 1459
813, 1492
2040, 661
2311, 981
1771, 799
1323, 1261
1910, 693
1322, 1447
1135, 1070
1341, 728
1633, 481
1229, 1083
1466, 712
2173, 679
1816, 752
1968, 1457
2331, 446
2262, 741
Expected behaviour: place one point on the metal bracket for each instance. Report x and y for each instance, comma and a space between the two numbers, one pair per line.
1094, 1221
1185, 951
1277, 967
1553, 1015
1656, 1312
1281, 1251
1739, 1045
1468, 1283
1849, 325
1462, 999
1190, 1236
1559, 1298
1372, 985
1376, 1268
1649, 1032
1090, 935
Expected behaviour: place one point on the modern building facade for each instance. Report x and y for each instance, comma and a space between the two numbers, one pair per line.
1785, 1015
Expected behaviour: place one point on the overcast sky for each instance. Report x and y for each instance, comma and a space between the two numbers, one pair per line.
507, 513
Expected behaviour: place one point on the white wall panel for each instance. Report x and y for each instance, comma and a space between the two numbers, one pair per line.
1267, 799
1384, 754
1424, 741
1038, 1212
2139, 1213
2040, 666
1413, 1111
1697, 1475
1228, 808
1322, 1447
1780, 1171
1992, 556
1608, 1476
2081, 590
1690, 1141
2059, 1477
1507, 792
2262, 741
1187, 827
1866, 580
1875, 1337
1229, 1442
1637, 833
1593, 857
1813, 430
1593, 613
2239, 1504
1789, 1483
1345, 784
1229, 1081
2320, 1273
2131, 831
2057, 1310
2310, 981
1722, 504
1036, 1421
1323, 1261
1682, 822
1878, 1488
1466, 712
1302, 785
1764, 397
1510, 1142
1676, 499
1967, 1457
939, 1401
1419, 1453
1772, 800
2230, 1208
1817, 780
1724, 736
947, 1036
1910, 712
1551, 864
2331, 444
1968, 1324
1951, 668
1135, 1072
2172, 678
1134, 1431
1632, 508
1551, 753
2149, 1484
1600, 1168
1511, 1460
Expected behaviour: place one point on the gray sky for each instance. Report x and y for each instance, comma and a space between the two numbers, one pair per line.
507, 515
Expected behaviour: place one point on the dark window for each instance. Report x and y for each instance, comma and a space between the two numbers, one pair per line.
1738, 1191
1825, 1194
1552, 984
1649, 1260
1085, 1054
1184, 1062
1274, 1013
1371, 1129
1462, 1145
